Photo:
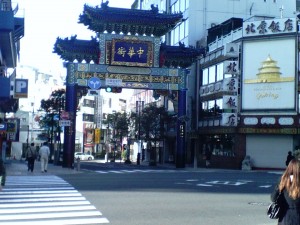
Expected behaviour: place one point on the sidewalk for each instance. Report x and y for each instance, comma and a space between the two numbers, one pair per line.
17, 167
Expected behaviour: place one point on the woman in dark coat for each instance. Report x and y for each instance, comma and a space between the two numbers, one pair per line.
290, 186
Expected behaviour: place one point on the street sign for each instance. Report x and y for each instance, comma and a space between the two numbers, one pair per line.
2, 127
113, 82
65, 123
92, 93
94, 83
64, 115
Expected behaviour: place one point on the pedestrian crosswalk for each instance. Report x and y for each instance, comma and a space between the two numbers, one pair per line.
45, 200
138, 171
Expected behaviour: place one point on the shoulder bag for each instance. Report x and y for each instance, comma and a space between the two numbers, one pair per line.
275, 209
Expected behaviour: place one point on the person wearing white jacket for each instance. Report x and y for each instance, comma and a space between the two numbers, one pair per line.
44, 154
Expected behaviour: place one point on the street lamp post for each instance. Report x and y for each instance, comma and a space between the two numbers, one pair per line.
107, 145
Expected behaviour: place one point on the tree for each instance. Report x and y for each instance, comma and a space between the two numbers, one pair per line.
150, 126
120, 123
52, 108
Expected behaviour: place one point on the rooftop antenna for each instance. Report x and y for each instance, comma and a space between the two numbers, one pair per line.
281, 11
251, 8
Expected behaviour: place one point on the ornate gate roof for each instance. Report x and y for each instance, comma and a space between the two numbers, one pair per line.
71, 49
119, 20
141, 22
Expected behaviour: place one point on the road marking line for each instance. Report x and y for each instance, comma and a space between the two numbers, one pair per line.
39, 200
61, 222
21, 209
43, 204
205, 185
43, 199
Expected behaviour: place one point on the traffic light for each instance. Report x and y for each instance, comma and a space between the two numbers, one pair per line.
114, 89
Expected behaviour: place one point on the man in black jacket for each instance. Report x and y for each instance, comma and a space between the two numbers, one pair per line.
289, 158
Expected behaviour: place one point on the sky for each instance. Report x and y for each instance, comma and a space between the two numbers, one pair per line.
45, 21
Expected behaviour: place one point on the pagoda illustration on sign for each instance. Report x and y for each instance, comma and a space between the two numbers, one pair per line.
269, 73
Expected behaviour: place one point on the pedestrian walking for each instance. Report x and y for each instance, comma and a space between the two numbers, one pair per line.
44, 156
30, 157
208, 154
289, 158
289, 186
2, 174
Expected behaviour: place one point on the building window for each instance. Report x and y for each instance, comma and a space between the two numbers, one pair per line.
89, 103
186, 27
88, 117
181, 31
212, 108
176, 35
162, 5
298, 6
219, 144
220, 75
182, 5
177, 9
212, 75
187, 4
205, 76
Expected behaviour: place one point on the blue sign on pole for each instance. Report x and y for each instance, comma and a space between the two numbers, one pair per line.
2, 127
21, 88
94, 83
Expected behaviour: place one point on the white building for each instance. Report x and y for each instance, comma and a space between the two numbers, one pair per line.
40, 86
200, 16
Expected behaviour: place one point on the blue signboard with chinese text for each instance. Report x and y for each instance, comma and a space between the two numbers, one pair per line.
132, 53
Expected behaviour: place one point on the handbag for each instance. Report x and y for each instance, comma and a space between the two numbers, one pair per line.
275, 209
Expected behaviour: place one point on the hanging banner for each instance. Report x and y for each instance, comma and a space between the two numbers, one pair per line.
97, 136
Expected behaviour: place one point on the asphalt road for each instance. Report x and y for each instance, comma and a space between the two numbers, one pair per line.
141, 195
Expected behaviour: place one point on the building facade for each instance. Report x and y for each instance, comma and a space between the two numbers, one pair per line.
201, 28
11, 31
249, 94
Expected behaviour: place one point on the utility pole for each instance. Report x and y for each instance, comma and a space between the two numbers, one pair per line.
139, 108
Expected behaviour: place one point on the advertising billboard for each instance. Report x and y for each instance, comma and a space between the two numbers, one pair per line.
268, 79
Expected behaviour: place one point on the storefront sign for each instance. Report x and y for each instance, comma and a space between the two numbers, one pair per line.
269, 27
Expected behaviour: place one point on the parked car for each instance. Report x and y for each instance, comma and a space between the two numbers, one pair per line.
83, 156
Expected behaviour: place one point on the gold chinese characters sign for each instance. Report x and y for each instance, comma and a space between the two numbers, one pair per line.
131, 52
131, 78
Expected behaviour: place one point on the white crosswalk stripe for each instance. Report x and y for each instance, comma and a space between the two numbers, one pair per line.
137, 171
45, 200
